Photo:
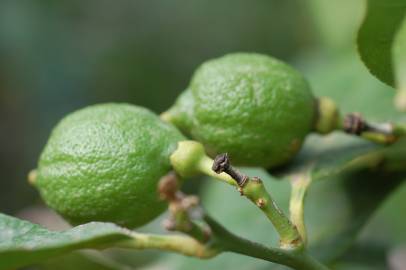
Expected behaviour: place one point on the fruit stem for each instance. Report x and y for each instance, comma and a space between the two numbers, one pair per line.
382, 133
190, 159
254, 189
177, 243
299, 186
205, 166
328, 116
223, 241
295, 258
328, 120
180, 221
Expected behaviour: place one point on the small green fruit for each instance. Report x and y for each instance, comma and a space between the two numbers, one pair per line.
103, 163
254, 107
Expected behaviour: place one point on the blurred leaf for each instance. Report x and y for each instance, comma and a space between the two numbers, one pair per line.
377, 34
388, 223
23, 243
338, 207
326, 157
335, 32
353, 189
111, 259
366, 255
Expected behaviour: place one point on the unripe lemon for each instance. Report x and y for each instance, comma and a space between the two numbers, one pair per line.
103, 163
252, 106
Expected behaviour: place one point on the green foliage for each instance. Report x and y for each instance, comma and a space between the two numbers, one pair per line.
377, 35
23, 243
351, 189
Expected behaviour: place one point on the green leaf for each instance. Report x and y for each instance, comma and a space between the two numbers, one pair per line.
23, 243
341, 154
368, 255
323, 157
338, 207
347, 192
377, 34
77, 260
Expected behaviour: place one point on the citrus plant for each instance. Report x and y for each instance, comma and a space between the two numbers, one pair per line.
111, 168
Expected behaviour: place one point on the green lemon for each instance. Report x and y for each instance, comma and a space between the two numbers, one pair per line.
252, 106
103, 163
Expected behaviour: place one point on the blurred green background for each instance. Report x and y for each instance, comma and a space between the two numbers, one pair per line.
58, 56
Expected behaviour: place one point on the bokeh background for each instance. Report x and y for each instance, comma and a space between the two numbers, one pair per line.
58, 56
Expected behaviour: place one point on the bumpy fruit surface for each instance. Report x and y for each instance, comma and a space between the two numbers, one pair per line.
256, 108
103, 163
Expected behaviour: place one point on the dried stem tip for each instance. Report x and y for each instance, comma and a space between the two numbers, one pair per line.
222, 164
355, 124
383, 133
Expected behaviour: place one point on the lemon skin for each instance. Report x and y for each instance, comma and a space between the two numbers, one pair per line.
103, 163
252, 106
